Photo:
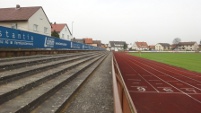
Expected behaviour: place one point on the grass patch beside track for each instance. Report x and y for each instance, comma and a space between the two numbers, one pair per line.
189, 61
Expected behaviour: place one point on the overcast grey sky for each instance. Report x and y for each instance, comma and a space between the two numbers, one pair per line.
153, 21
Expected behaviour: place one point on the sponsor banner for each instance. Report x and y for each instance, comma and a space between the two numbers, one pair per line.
13, 38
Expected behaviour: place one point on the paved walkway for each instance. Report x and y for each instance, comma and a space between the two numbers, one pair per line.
96, 95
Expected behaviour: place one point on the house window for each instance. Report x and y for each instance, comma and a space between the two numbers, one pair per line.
45, 30
35, 27
14, 26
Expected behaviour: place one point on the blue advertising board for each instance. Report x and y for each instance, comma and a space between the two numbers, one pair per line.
13, 38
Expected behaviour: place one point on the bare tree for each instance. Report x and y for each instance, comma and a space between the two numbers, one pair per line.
176, 40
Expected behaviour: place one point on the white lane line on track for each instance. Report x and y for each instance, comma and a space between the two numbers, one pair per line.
135, 83
130, 74
164, 80
145, 80
134, 79
154, 80
158, 83
172, 81
189, 90
174, 78
163, 92
183, 75
197, 75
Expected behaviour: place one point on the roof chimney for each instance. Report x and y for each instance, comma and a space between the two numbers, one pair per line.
17, 6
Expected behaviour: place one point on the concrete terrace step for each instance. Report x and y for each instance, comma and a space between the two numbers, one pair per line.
21, 58
23, 72
30, 99
14, 88
57, 102
39, 56
13, 64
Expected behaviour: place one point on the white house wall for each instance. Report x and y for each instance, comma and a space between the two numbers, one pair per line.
66, 33
195, 46
135, 46
189, 47
159, 47
40, 19
22, 25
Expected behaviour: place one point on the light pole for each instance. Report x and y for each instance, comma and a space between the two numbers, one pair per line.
72, 27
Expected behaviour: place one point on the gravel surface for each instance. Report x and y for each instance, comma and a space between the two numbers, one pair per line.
96, 96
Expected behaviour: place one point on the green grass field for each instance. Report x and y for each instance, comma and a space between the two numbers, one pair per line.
189, 61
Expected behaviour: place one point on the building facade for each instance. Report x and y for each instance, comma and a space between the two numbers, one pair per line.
117, 45
62, 30
140, 46
162, 47
187, 46
32, 19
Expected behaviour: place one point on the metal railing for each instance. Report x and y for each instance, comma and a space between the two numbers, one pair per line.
122, 100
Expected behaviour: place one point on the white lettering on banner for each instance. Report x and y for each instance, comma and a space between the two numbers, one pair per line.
6, 41
19, 36
15, 42
61, 44
1, 41
13, 35
11, 38
28, 36
75, 46
7, 34
11, 42
23, 36
0, 34
23, 43
49, 42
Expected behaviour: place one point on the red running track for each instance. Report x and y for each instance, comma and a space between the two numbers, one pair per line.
160, 88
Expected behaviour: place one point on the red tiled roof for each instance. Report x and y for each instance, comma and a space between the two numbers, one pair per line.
152, 46
88, 41
17, 14
57, 27
141, 44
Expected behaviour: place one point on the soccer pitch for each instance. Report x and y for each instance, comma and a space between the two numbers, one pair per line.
189, 61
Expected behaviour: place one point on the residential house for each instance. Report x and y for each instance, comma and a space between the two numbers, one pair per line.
78, 40
140, 46
162, 47
32, 19
97, 43
186, 46
200, 46
173, 46
117, 45
107, 47
151, 47
89, 41
104, 46
62, 30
